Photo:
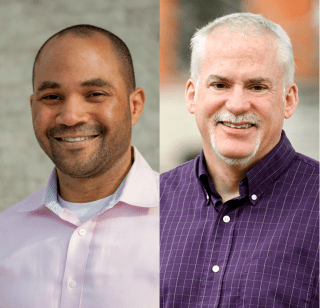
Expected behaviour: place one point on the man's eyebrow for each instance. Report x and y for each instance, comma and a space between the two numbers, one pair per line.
97, 82
250, 80
259, 80
217, 77
48, 85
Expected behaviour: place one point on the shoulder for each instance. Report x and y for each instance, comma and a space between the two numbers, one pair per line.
156, 177
31, 202
179, 178
307, 160
301, 180
183, 172
306, 166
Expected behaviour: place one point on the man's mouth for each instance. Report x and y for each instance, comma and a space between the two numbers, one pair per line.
236, 125
76, 139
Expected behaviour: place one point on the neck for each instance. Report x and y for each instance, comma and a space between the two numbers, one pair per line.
82, 190
225, 177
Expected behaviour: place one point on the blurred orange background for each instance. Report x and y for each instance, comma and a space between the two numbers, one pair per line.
298, 18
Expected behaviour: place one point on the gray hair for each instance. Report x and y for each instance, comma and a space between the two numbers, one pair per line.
245, 23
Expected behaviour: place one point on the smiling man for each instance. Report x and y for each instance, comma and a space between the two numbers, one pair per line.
239, 223
90, 237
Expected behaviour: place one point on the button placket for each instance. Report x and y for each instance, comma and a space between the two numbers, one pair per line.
76, 261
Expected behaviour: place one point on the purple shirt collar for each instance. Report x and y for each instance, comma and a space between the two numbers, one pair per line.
258, 178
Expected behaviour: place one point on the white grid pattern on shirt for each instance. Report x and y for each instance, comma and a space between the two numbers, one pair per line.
267, 253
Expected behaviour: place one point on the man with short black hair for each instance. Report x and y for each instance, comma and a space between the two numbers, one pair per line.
90, 237
239, 224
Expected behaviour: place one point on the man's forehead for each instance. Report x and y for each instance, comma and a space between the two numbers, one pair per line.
60, 52
222, 43
235, 57
71, 41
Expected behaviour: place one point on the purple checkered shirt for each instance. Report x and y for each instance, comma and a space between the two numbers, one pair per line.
257, 250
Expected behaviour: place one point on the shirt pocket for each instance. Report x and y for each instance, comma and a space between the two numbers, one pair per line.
275, 283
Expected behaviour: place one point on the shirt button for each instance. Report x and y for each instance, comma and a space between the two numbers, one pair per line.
72, 283
215, 268
226, 218
82, 232
254, 197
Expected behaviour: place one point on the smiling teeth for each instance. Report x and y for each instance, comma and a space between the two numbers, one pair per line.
237, 126
76, 139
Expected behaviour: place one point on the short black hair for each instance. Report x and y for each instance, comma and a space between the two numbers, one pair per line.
119, 46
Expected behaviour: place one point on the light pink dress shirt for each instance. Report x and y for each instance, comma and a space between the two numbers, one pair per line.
50, 259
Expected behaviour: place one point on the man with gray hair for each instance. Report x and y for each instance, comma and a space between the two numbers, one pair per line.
239, 223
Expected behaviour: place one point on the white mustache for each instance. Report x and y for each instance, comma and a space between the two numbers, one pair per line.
230, 117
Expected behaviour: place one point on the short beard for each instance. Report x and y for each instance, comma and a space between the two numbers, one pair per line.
103, 159
228, 116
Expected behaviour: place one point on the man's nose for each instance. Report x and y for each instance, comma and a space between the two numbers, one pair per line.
72, 112
238, 100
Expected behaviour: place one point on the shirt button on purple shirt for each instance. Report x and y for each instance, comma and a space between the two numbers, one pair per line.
215, 268
226, 218
254, 197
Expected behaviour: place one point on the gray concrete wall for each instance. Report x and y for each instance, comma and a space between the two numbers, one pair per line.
25, 25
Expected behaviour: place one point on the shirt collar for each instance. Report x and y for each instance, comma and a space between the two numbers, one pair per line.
48, 196
51, 197
205, 180
259, 177
142, 184
269, 169
141, 188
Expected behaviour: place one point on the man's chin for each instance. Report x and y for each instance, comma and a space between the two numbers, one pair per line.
78, 168
235, 161
75, 172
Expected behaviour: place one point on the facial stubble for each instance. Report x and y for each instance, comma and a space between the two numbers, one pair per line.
113, 144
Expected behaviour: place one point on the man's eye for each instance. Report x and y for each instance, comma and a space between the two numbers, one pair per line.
258, 88
51, 97
218, 85
95, 94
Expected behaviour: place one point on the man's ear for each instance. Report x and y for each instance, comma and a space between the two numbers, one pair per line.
291, 101
137, 98
31, 100
190, 95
